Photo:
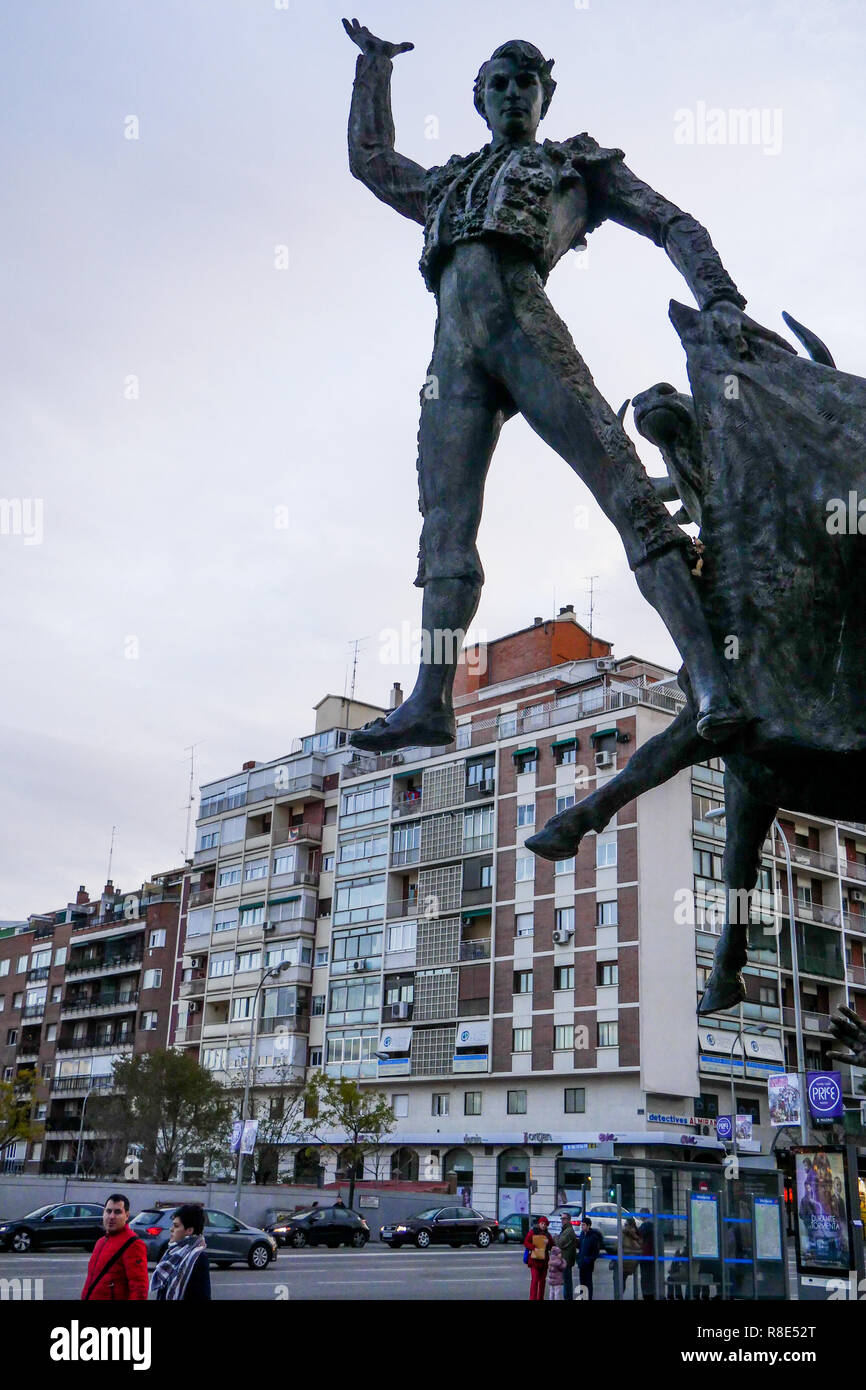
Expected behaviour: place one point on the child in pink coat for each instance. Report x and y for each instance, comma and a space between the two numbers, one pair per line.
556, 1272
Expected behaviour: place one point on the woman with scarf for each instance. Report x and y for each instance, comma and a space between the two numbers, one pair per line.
184, 1272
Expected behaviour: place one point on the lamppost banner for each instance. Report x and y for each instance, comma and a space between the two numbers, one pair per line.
250, 1130
824, 1093
783, 1093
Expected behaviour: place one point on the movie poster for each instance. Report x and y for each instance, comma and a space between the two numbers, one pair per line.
822, 1211
783, 1094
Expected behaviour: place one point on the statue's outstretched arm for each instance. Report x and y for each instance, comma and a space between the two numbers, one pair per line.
632, 203
396, 180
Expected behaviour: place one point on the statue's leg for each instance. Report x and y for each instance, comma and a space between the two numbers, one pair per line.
659, 759
459, 429
748, 822
551, 385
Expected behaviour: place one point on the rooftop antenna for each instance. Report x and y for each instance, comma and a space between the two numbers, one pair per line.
190, 748
592, 579
110, 854
355, 645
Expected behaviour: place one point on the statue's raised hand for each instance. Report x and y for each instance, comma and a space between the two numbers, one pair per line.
847, 1028
368, 43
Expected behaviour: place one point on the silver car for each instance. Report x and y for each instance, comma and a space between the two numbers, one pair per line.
228, 1241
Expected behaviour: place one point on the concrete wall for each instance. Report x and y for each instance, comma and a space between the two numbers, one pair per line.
24, 1193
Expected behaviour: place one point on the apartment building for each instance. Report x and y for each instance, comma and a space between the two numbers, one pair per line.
80, 987
534, 1025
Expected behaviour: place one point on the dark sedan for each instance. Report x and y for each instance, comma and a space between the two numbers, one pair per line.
329, 1226
452, 1226
69, 1223
228, 1241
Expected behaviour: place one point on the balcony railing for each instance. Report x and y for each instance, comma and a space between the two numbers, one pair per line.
475, 950
201, 898
407, 804
118, 1001
103, 967
855, 921
810, 912
40, 973
803, 858
95, 1044
402, 907
812, 1022
856, 974
401, 857
472, 1008
297, 834
393, 1013
851, 869
33, 1011
63, 1084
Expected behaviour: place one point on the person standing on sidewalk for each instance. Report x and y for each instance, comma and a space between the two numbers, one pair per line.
117, 1269
588, 1250
647, 1264
184, 1271
538, 1244
567, 1243
555, 1272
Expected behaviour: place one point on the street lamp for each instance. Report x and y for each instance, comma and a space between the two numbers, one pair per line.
719, 813
274, 970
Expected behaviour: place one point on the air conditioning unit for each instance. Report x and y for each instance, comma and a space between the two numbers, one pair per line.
605, 663
195, 962
604, 759
357, 965
857, 897
400, 1010
194, 1008
561, 936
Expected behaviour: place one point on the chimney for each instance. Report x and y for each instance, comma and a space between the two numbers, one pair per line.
396, 698
81, 895
247, 767
108, 890
564, 612
536, 622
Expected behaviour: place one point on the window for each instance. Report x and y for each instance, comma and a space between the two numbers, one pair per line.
2, 1002
606, 914
564, 866
563, 919
471, 1102
322, 955
464, 735
768, 994
315, 1056
148, 1022
56, 994
221, 963
563, 1037
318, 1005
608, 1035
208, 839
242, 1007
157, 939
526, 813
324, 907
255, 868
356, 1001
285, 863
567, 754
507, 725
249, 960
574, 1100
60, 956
11, 1037
524, 870
214, 1058
51, 1032
439, 1104
8, 1073
707, 1106
232, 829
327, 863
521, 1040
563, 977
229, 876
478, 773
152, 979
485, 876
478, 830
21, 966
607, 973
295, 952
400, 1105
605, 852
525, 923
564, 803
526, 762
522, 983
4, 967
18, 1000
225, 920
750, 1107
516, 1103
252, 916
402, 937
359, 900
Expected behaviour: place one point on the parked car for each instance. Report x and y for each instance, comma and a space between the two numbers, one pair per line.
69, 1223
513, 1228
452, 1226
228, 1241
331, 1226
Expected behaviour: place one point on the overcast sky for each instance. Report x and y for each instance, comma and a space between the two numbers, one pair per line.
166, 389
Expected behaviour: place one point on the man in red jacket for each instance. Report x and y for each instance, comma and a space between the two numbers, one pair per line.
118, 1266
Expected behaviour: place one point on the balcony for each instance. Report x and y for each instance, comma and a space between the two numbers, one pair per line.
855, 921
89, 968
201, 898
812, 1022
805, 858
849, 868
407, 804
402, 907
92, 1045
475, 950
394, 1013
193, 989
401, 857
64, 1085
185, 1036
481, 791
26, 1054
100, 1005
298, 878
33, 1011
305, 833
40, 973
473, 1008
810, 912
856, 974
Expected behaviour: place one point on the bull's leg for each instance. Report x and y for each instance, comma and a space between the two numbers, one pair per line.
659, 759
748, 822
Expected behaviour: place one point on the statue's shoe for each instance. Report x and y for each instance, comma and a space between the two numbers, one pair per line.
558, 839
383, 735
725, 989
717, 723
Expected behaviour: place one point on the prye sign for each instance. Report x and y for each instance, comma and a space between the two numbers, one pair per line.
824, 1093
724, 1127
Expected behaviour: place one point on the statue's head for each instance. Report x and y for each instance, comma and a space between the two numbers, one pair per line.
513, 90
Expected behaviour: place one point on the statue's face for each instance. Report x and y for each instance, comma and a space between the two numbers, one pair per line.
513, 98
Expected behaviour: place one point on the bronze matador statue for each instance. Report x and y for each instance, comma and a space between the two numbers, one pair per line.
496, 222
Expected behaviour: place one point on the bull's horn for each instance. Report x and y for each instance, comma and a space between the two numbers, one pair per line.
620, 414
818, 351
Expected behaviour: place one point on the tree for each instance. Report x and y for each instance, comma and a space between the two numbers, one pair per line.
340, 1107
278, 1105
168, 1104
16, 1102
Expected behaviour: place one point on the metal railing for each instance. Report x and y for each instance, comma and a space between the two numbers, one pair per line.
84, 1082
99, 967
475, 950
119, 1001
